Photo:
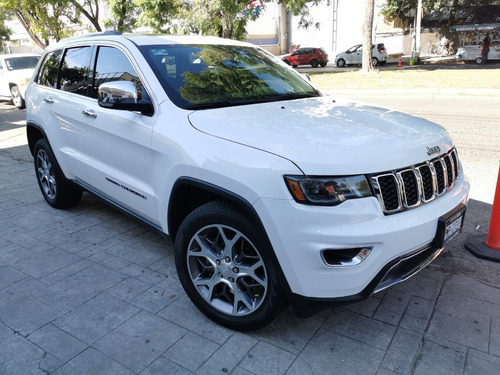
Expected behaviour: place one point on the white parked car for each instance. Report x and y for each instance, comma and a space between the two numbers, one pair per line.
16, 71
354, 55
472, 52
272, 192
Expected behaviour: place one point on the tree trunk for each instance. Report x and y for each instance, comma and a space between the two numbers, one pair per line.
367, 65
26, 26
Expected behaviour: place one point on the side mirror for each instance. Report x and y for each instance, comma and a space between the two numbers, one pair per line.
122, 95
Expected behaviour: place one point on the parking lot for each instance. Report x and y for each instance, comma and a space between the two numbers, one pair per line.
91, 291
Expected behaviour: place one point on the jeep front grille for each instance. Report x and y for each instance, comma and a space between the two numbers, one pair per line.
413, 186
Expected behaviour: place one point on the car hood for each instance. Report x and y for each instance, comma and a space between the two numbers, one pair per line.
324, 136
18, 74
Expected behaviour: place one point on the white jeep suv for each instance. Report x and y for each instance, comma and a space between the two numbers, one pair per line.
271, 192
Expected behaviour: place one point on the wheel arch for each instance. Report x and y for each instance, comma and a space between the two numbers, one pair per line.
34, 132
189, 193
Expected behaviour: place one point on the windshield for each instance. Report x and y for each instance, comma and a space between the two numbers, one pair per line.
25, 62
212, 76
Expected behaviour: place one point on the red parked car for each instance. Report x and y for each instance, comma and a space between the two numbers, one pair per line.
307, 56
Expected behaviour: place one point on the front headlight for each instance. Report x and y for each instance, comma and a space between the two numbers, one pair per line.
328, 191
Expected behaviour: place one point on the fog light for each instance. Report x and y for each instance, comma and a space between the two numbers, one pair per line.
345, 257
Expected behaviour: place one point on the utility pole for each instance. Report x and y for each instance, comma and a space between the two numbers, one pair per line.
417, 30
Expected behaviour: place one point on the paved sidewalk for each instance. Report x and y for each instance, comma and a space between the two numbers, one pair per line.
90, 291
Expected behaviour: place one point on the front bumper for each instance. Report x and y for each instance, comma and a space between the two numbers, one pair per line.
299, 234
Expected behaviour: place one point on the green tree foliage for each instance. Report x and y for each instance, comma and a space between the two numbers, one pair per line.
402, 9
89, 9
43, 20
158, 14
124, 15
225, 18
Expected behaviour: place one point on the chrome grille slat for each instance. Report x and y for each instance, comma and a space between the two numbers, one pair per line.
410, 187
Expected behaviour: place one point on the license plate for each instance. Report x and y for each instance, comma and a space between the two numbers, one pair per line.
449, 226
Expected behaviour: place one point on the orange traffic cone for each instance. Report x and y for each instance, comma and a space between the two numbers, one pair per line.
489, 249
400, 63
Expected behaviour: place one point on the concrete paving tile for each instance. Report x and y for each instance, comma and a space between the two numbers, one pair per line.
331, 353
468, 287
21, 357
83, 239
392, 307
365, 307
265, 358
91, 362
455, 320
165, 266
15, 254
289, 332
43, 264
229, 355
164, 366
80, 287
108, 260
426, 284
96, 317
436, 359
129, 288
19, 291
144, 274
241, 371
140, 341
5, 331
37, 218
66, 272
183, 313
139, 251
369, 331
159, 296
400, 355
9, 276
495, 337
28, 315
191, 351
481, 363
414, 324
420, 307
58, 343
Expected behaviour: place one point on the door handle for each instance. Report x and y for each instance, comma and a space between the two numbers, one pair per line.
89, 113
48, 100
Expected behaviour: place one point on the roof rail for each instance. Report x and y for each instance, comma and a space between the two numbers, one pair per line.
98, 33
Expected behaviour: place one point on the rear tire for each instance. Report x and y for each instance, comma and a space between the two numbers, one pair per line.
374, 61
314, 63
224, 264
479, 60
56, 189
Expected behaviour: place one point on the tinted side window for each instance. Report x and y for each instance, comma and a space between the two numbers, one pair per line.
113, 65
74, 75
50, 69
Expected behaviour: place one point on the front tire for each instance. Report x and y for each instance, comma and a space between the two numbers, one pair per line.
56, 189
340, 63
17, 98
225, 266
314, 63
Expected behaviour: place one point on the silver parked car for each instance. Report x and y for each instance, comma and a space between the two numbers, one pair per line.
354, 55
16, 71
